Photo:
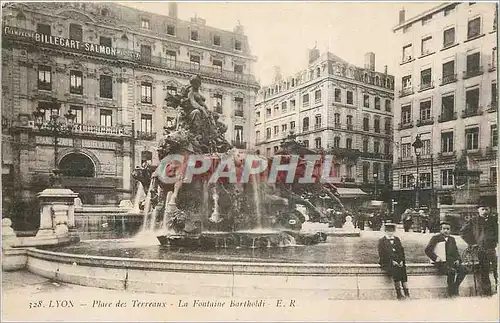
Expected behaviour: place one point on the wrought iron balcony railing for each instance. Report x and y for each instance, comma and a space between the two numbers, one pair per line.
407, 125
98, 129
444, 117
239, 144
405, 92
425, 122
471, 112
426, 86
146, 135
474, 71
447, 79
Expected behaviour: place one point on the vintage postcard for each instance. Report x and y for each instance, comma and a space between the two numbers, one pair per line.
249, 161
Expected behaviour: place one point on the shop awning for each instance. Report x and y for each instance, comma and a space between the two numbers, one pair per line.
350, 192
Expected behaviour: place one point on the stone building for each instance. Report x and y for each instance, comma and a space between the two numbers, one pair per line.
336, 106
112, 65
446, 92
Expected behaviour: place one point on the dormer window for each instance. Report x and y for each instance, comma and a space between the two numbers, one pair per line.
237, 44
104, 12
217, 40
145, 23
171, 30
194, 35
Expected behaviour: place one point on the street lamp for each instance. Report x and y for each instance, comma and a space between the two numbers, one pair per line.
55, 128
417, 145
375, 176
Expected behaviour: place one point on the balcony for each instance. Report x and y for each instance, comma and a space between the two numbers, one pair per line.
447, 79
99, 130
337, 125
408, 125
474, 71
490, 152
146, 99
122, 54
239, 144
350, 154
350, 127
493, 107
388, 130
492, 67
76, 90
238, 113
146, 135
472, 152
45, 86
447, 156
444, 117
425, 122
472, 112
405, 92
426, 86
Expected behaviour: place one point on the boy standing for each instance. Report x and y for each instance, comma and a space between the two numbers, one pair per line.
443, 251
392, 260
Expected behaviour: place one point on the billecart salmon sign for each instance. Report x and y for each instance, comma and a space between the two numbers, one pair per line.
60, 41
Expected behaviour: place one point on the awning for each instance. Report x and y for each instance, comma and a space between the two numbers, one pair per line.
350, 192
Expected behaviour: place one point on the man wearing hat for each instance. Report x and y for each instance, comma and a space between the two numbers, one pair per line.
392, 259
481, 233
443, 251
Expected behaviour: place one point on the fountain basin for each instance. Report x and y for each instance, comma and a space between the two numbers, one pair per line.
235, 279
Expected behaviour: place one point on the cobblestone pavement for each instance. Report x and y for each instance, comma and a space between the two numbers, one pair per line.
20, 289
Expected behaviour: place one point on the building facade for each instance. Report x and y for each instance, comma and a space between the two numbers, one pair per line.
112, 66
446, 92
336, 106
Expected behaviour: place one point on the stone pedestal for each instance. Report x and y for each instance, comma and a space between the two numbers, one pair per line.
12, 259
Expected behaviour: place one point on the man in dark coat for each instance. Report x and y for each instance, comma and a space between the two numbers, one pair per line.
481, 233
450, 264
392, 260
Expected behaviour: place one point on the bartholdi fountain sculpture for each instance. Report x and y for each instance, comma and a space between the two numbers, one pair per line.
205, 214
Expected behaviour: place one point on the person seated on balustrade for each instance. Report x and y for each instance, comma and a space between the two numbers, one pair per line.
393, 261
443, 251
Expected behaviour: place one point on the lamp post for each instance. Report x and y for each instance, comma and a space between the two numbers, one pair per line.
417, 145
375, 176
55, 128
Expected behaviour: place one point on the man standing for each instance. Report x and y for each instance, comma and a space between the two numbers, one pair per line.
424, 218
392, 260
447, 259
481, 233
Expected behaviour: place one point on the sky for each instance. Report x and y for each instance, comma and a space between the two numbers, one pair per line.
280, 33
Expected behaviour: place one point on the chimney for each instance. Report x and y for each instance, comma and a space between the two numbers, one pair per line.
313, 55
385, 69
402, 16
370, 61
238, 29
172, 9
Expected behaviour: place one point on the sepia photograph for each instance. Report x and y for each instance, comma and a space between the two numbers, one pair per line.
265, 161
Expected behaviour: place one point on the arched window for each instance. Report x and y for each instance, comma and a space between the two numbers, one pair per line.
318, 72
336, 142
77, 165
305, 124
317, 143
377, 80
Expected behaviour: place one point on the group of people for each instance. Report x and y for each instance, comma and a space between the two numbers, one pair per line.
479, 232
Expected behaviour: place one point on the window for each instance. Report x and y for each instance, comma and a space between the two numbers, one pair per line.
426, 147
238, 134
426, 78
268, 152
407, 52
146, 123
493, 94
366, 101
195, 62
292, 105
425, 110
218, 64
171, 57
106, 118
75, 32
239, 107
305, 99
406, 181
472, 138
366, 168
388, 105
284, 128
305, 124
447, 142
317, 123
105, 41
447, 107
474, 28
493, 175
171, 30
494, 135
406, 114
406, 82
366, 123
78, 111
283, 107
336, 120
449, 37
387, 126
426, 19
76, 82
406, 150
306, 143
447, 177
317, 96
216, 40
194, 35
337, 95
493, 58
106, 87
146, 90
268, 133
336, 170
376, 124
257, 136
448, 71
365, 145
257, 114
145, 23
217, 104
449, 10
348, 143
44, 78
238, 68
336, 142
146, 53
387, 149
43, 29
237, 44
473, 63
276, 109
426, 47
349, 119
376, 147
317, 143
471, 102
349, 97
425, 179
292, 125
